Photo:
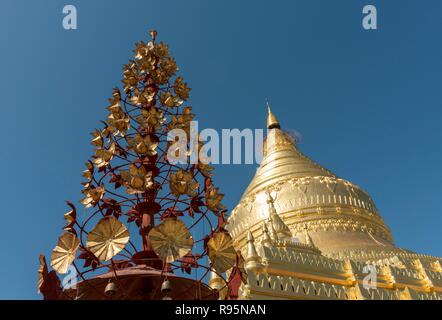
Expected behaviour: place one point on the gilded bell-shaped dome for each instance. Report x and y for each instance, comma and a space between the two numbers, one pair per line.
338, 214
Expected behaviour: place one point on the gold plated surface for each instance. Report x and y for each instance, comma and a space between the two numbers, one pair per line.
334, 209
342, 234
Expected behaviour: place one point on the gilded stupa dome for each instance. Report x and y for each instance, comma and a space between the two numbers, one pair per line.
338, 215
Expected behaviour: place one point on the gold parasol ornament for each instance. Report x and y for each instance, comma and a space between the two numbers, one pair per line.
221, 251
64, 253
171, 240
107, 238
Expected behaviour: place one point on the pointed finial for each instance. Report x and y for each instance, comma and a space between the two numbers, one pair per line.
272, 232
250, 237
252, 261
282, 230
251, 250
308, 239
153, 33
272, 121
266, 241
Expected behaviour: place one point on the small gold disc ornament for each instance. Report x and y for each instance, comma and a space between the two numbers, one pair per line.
171, 240
107, 238
64, 253
221, 251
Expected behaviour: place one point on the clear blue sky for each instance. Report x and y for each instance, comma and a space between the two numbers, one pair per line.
368, 104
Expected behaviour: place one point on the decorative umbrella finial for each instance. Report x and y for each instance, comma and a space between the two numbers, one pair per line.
272, 121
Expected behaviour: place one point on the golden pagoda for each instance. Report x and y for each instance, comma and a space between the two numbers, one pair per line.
305, 233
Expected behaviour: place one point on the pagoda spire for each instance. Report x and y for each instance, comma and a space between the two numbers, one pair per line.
252, 261
308, 239
282, 231
266, 240
272, 121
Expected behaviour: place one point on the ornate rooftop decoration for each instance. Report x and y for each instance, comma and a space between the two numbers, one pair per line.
143, 214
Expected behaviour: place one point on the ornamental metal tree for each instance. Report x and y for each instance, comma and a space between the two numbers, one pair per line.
131, 184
